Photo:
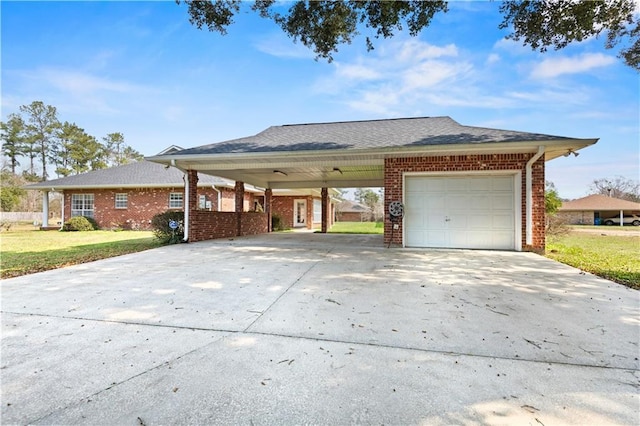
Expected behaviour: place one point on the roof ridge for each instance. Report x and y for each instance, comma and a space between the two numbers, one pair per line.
363, 121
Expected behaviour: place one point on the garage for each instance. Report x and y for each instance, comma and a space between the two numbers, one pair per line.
471, 211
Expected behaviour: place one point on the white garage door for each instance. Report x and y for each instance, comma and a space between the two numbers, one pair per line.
460, 212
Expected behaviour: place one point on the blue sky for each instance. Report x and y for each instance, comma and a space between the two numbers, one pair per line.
142, 69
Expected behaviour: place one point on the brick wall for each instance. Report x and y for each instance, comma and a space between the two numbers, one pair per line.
396, 167
353, 217
283, 207
577, 217
206, 225
142, 205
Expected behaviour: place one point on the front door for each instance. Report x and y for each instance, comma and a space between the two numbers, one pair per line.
299, 213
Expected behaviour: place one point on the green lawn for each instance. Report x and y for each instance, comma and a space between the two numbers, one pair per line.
357, 228
615, 258
27, 251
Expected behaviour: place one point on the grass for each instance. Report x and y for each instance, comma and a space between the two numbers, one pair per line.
357, 228
605, 228
616, 258
25, 252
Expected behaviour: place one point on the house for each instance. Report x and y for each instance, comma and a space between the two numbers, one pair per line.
129, 196
451, 185
350, 211
597, 210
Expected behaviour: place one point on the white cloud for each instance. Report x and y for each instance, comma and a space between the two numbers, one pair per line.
357, 72
281, 46
415, 50
395, 76
554, 67
493, 58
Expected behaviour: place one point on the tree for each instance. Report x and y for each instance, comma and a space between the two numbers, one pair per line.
117, 152
558, 23
11, 190
13, 139
324, 25
552, 201
77, 152
617, 187
41, 130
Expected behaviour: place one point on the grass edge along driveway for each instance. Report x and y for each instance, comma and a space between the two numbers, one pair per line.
616, 258
28, 252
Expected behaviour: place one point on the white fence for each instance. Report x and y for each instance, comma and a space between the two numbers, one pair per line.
21, 216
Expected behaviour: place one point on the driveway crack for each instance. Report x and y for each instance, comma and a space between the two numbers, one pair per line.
296, 281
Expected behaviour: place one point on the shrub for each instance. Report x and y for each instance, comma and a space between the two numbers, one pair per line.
277, 224
556, 227
161, 229
80, 223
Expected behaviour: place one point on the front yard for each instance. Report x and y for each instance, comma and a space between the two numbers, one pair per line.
614, 257
25, 252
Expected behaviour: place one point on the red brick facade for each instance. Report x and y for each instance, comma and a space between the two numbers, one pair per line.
144, 203
395, 168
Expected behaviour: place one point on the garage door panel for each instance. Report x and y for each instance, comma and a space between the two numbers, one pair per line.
457, 201
504, 202
502, 184
480, 212
437, 239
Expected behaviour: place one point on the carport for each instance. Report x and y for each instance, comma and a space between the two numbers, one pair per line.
462, 186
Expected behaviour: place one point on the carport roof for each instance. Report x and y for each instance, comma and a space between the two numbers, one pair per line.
352, 153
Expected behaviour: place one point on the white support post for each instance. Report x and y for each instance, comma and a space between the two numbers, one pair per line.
621, 218
45, 209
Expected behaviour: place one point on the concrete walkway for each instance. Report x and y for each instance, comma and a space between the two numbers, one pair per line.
321, 329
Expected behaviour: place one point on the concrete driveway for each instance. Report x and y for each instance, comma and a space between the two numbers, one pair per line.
321, 329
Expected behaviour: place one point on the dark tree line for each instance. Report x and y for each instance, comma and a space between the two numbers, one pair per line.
35, 134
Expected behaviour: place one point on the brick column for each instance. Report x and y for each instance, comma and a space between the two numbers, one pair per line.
267, 207
325, 210
192, 204
239, 206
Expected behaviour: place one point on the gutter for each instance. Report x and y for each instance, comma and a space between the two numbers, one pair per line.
529, 195
185, 239
219, 197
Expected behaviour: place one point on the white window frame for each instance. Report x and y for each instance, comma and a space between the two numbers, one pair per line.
176, 200
82, 205
122, 200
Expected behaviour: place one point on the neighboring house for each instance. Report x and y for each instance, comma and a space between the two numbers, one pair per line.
461, 186
350, 211
129, 196
596, 210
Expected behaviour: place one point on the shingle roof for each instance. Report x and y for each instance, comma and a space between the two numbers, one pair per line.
599, 202
139, 174
347, 206
401, 132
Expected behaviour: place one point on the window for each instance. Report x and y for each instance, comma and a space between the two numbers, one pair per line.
317, 211
202, 202
122, 201
82, 205
175, 200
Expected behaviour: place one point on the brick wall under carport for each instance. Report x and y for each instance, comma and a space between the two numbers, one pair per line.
394, 169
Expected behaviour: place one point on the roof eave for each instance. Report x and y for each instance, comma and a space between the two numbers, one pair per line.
554, 148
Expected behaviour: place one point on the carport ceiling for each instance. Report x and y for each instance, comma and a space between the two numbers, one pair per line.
352, 154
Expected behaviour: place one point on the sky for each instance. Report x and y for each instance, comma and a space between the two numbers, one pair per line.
140, 68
